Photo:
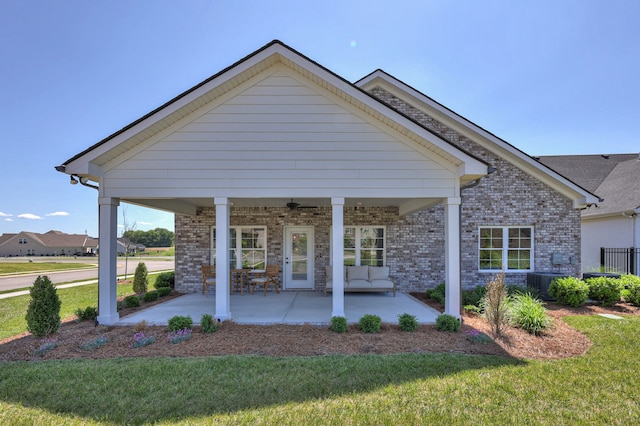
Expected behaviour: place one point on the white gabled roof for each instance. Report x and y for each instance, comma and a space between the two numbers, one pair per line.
89, 162
580, 196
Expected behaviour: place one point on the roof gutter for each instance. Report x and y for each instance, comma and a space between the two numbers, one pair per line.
75, 178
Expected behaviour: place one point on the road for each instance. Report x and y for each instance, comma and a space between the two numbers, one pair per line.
22, 281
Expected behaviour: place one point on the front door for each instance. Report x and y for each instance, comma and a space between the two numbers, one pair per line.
298, 258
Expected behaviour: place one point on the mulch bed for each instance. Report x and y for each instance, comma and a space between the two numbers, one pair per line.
560, 341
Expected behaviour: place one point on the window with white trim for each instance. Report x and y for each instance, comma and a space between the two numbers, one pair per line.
508, 248
247, 247
364, 245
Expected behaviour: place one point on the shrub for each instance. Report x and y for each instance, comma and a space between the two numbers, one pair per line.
370, 323
605, 289
95, 343
407, 322
150, 296
338, 324
164, 291
513, 290
45, 346
140, 279
496, 304
446, 322
43, 313
570, 291
631, 284
208, 324
473, 297
140, 340
165, 280
437, 294
528, 313
473, 309
179, 336
179, 322
90, 313
132, 301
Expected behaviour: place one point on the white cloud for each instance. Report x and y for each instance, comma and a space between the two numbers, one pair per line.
57, 214
145, 223
8, 219
3, 214
29, 216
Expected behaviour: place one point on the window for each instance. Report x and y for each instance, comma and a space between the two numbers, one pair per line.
247, 247
510, 246
22, 241
364, 245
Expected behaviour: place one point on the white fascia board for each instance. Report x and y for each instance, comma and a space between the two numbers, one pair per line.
481, 136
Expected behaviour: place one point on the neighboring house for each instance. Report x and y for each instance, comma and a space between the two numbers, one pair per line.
281, 161
53, 243
125, 245
613, 224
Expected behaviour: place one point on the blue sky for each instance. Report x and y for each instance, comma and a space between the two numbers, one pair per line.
550, 77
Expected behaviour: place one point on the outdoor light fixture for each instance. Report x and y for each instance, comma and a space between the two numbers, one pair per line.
73, 181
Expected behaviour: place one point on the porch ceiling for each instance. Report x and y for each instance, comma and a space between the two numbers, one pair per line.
191, 205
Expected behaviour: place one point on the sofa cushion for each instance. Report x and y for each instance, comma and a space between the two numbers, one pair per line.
359, 284
381, 283
357, 273
329, 284
378, 273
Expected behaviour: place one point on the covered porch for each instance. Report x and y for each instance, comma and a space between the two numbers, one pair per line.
288, 307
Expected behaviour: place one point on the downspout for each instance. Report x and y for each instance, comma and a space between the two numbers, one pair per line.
473, 184
84, 182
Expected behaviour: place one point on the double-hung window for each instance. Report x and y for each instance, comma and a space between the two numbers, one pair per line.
247, 247
508, 248
364, 245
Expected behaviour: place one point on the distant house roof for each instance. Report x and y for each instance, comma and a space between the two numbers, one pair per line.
615, 178
55, 239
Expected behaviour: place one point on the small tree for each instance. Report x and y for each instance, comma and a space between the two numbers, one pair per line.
140, 279
43, 313
495, 304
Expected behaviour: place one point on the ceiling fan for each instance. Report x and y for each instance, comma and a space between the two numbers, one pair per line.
296, 206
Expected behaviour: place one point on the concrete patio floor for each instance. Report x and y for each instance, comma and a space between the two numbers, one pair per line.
288, 307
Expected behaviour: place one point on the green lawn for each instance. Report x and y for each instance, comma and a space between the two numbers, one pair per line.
14, 309
410, 389
34, 267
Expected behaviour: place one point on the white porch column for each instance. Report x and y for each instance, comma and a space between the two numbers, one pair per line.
223, 298
452, 256
337, 259
107, 260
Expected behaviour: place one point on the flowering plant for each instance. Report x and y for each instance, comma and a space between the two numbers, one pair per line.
476, 336
45, 346
179, 335
139, 340
95, 343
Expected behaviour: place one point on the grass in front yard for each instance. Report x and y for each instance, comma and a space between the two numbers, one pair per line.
35, 267
408, 389
14, 309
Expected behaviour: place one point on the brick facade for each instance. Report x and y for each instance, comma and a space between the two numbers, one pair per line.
414, 243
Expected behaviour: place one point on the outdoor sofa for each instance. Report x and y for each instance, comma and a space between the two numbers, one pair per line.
362, 279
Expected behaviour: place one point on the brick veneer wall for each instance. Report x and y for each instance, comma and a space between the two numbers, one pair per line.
509, 197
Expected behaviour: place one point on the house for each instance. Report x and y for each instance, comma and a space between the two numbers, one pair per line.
281, 161
614, 223
52, 243
125, 245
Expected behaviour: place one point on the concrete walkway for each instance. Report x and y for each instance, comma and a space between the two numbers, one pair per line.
288, 307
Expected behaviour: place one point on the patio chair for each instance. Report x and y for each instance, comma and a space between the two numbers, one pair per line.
208, 277
269, 276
